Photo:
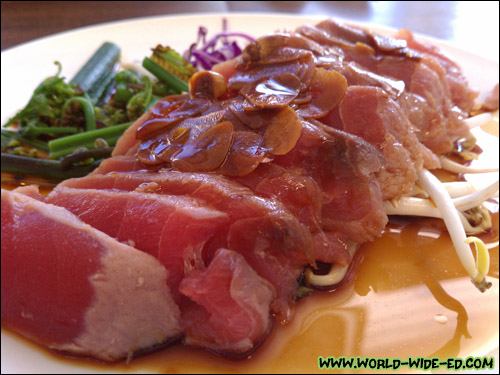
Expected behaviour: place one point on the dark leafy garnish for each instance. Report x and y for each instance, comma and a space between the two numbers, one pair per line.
45, 108
78, 123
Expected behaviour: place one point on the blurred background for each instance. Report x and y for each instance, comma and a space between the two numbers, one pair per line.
473, 26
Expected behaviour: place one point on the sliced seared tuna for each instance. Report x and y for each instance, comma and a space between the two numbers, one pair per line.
270, 238
173, 229
230, 312
73, 288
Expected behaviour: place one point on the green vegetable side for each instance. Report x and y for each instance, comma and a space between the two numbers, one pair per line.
66, 129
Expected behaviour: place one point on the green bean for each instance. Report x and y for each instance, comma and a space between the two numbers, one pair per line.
66, 145
174, 82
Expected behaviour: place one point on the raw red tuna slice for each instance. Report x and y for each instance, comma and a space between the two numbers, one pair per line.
122, 163
491, 102
176, 230
63, 284
303, 197
370, 113
32, 191
299, 193
344, 167
359, 76
214, 191
331, 247
462, 94
173, 229
433, 85
231, 309
271, 239
128, 139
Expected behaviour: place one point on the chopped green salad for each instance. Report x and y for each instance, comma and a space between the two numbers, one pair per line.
67, 128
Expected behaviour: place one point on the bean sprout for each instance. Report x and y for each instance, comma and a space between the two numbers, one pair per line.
336, 274
480, 120
454, 167
451, 217
476, 199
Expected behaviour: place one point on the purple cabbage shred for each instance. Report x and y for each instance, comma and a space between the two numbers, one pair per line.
205, 54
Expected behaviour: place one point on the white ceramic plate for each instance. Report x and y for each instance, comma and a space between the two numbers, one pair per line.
23, 67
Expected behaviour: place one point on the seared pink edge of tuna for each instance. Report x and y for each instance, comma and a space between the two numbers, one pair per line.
128, 140
132, 307
32, 191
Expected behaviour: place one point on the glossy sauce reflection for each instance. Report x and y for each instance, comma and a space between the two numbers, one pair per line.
406, 282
